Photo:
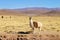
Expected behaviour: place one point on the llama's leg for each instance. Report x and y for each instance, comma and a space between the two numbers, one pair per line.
39, 29
40, 25
32, 30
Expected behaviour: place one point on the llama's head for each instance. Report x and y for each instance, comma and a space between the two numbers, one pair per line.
30, 18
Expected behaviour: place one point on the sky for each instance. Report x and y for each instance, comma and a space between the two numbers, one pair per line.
13, 4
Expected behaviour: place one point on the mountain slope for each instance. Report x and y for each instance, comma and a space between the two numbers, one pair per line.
33, 11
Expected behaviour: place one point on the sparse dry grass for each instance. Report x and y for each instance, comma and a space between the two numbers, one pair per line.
21, 23
51, 25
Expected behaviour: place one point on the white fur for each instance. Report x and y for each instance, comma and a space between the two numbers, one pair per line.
36, 30
40, 25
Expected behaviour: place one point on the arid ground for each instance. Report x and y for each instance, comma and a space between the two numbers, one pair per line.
12, 22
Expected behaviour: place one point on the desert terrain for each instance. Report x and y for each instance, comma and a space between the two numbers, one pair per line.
15, 20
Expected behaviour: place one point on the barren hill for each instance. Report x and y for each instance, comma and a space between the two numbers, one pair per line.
41, 11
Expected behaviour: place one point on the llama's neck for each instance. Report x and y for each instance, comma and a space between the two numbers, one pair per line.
31, 22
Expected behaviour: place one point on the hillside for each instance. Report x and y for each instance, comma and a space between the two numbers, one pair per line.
41, 11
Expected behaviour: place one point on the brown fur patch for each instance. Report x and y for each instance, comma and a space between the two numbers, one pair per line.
35, 24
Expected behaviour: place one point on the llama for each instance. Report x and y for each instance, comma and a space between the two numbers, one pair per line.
36, 26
